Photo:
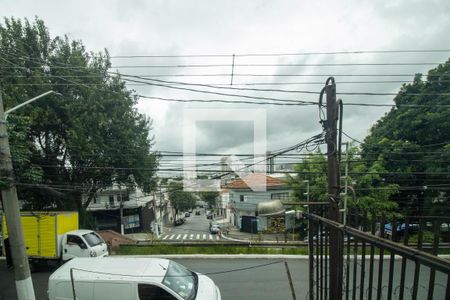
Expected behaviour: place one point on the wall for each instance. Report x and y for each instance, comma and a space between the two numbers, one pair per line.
248, 206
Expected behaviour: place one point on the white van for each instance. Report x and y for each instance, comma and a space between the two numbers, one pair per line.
129, 278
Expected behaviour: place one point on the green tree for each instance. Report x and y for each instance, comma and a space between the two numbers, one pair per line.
210, 198
412, 142
179, 199
74, 145
372, 193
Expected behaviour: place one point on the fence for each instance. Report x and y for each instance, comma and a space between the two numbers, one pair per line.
381, 258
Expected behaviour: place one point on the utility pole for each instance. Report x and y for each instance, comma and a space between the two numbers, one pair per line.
122, 230
344, 210
336, 250
22, 274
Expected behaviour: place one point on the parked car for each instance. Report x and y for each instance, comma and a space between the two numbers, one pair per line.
119, 278
209, 216
214, 228
190, 211
187, 214
197, 213
179, 221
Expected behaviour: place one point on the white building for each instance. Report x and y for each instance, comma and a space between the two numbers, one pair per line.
124, 210
243, 201
224, 204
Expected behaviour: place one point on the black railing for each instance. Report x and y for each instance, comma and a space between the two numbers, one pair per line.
382, 259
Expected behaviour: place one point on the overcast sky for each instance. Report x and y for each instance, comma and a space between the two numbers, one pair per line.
241, 27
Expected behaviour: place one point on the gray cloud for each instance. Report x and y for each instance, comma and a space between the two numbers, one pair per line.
218, 27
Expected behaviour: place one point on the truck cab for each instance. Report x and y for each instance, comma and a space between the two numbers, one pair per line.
83, 243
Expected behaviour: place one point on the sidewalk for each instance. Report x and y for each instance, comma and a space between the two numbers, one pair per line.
233, 233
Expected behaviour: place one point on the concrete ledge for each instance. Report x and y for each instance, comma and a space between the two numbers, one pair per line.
260, 256
223, 256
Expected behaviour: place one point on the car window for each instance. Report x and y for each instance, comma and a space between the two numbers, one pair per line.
75, 240
92, 239
153, 292
181, 281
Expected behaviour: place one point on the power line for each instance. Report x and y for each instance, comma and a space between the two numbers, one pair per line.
251, 65
277, 65
279, 90
288, 54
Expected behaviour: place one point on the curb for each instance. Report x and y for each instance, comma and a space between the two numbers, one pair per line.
223, 256
234, 240
250, 241
246, 256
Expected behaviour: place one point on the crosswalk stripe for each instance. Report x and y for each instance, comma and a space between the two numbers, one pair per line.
217, 237
178, 236
165, 237
198, 236
191, 237
171, 237
210, 237
204, 236
185, 236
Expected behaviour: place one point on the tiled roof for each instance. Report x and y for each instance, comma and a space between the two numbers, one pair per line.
256, 179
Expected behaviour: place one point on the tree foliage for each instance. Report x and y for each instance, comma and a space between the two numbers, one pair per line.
209, 197
371, 191
412, 143
74, 145
179, 199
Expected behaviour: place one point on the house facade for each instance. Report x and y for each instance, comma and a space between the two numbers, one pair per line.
122, 210
243, 202
224, 204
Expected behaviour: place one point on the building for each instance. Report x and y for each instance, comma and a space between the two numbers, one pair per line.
243, 202
140, 212
116, 206
224, 204
163, 209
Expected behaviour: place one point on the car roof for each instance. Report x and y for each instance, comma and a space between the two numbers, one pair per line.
79, 231
113, 269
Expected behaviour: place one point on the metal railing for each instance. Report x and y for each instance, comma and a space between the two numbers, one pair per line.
382, 259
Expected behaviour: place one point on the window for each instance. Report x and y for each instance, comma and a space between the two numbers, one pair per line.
153, 292
181, 281
242, 198
75, 240
279, 196
125, 198
93, 239
111, 200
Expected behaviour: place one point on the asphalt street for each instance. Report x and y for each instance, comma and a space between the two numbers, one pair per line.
196, 228
267, 282
250, 278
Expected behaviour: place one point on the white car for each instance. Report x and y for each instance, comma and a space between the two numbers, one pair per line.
123, 278
215, 228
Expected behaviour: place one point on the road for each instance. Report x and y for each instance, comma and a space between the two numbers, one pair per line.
268, 282
196, 228
241, 278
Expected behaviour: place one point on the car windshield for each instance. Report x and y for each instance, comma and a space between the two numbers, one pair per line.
181, 281
92, 239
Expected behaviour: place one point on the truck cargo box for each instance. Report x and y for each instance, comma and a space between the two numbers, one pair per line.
43, 232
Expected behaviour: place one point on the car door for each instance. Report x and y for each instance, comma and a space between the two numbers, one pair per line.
74, 247
153, 292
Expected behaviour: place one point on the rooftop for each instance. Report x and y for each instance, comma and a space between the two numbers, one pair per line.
256, 180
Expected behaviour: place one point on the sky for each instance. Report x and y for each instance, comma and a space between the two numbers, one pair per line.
174, 28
